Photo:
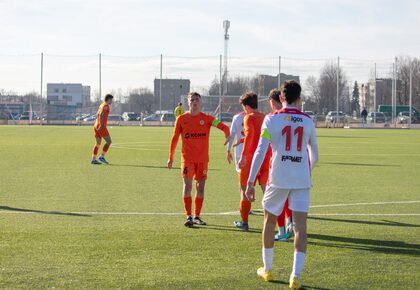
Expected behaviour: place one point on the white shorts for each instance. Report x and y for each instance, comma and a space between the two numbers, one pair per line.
274, 199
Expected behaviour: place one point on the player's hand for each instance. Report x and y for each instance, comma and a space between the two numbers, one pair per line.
250, 192
99, 128
227, 140
170, 163
242, 162
237, 143
229, 157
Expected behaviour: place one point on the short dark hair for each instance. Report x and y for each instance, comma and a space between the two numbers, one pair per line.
250, 99
180, 104
108, 96
275, 95
291, 91
191, 94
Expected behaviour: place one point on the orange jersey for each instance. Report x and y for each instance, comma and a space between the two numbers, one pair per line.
195, 133
252, 130
102, 115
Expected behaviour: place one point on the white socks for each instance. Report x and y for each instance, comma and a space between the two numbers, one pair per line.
298, 262
267, 255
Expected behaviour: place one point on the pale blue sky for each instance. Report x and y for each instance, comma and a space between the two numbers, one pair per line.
374, 30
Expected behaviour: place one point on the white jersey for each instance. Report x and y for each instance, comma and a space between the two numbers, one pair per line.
294, 145
237, 132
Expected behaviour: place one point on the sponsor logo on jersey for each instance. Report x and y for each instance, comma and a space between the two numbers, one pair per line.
201, 122
293, 119
195, 135
291, 158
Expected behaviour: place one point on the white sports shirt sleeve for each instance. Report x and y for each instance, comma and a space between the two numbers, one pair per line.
294, 146
236, 132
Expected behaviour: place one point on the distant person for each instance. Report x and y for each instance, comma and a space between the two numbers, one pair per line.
100, 130
291, 134
364, 114
179, 110
194, 128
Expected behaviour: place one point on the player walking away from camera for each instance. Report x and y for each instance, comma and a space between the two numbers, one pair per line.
236, 133
100, 130
252, 129
194, 128
284, 221
179, 110
295, 152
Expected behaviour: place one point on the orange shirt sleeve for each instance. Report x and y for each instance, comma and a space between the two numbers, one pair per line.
249, 131
174, 139
219, 125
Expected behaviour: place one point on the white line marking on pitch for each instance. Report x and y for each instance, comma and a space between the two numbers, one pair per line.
365, 203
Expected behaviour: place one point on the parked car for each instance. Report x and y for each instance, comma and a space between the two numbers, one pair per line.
26, 116
404, 117
153, 117
115, 118
168, 117
130, 116
90, 118
380, 117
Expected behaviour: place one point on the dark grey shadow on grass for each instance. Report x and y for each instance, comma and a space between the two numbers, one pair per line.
150, 166
43, 212
379, 246
227, 228
344, 137
359, 164
380, 223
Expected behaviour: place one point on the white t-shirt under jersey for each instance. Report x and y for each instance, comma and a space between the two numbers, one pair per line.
294, 145
237, 132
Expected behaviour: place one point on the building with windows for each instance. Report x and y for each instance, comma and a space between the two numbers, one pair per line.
172, 92
64, 101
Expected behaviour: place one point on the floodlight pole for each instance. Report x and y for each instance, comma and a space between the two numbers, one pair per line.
42, 76
374, 100
411, 89
160, 85
226, 26
100, 76
338, 86
279, 79
220, 87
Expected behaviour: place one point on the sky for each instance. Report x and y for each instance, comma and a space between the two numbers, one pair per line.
131, 35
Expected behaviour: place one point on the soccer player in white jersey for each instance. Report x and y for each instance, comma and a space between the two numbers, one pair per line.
295, 152
236, 132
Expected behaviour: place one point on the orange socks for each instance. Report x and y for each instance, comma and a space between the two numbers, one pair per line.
105, 149
245, 208
187, 205
198, 203
95, 151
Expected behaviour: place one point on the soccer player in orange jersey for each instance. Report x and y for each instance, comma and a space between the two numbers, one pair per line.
194, 128
253, 121
100, 131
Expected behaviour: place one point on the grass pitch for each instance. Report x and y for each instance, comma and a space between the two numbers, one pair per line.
65, 223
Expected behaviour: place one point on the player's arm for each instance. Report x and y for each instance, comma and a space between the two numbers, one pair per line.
233, 126
249, 132
222, 127
313, 148
174, 142
100, 116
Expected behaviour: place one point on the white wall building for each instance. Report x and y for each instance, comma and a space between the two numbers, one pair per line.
66, 100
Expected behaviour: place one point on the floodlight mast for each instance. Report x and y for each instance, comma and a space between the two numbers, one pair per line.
226, 25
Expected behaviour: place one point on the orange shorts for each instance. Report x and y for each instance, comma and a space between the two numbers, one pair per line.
262, 175
198, 170
101, 133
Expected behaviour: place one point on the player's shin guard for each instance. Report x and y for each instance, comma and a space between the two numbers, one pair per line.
187, 205
245, 207
105, 149
198, 204
95, 151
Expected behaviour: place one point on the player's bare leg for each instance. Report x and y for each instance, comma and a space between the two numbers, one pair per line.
186, 194
198, 202
95, 150
299, 223
105, 149
268, 246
